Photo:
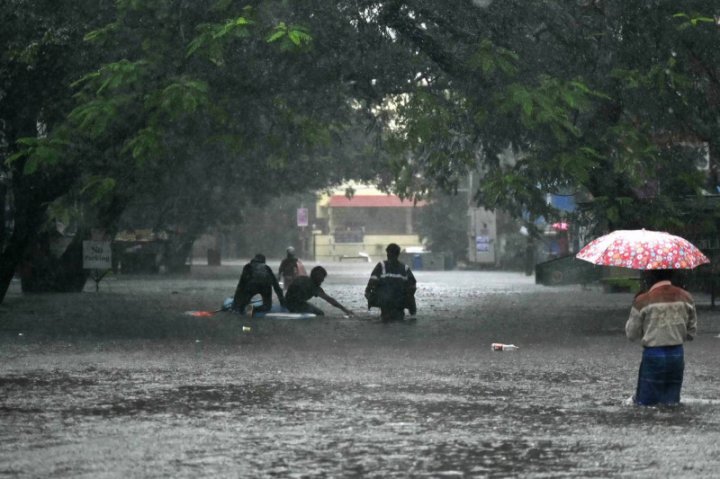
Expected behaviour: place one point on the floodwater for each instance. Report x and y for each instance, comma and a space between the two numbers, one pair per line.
120, 383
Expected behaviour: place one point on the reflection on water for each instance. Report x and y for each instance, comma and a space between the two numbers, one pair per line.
337, 397
223, 416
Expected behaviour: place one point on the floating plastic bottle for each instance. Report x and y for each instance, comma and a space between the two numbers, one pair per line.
246, 329
503, 347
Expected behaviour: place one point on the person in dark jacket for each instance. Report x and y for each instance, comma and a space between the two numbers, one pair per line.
303, 288
392, 287
256, 278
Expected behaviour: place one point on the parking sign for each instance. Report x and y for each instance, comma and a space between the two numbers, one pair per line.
97, 255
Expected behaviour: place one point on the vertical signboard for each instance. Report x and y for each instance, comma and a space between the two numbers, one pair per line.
97, 257
302, 217
482, 237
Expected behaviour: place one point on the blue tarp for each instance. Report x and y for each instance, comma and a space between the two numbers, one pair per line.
563, 202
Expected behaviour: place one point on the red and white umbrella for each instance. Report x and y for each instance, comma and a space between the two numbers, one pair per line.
643, 249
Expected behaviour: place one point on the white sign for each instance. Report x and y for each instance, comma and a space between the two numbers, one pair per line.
302, 217
97, 255
482, 244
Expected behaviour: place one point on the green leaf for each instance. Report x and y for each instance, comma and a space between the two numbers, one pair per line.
93, 117
144, 146
214, 37
98, 188
294, 37
31, 165
289, 36
489, 58
102, 34
112, 76
276, 36
183, 96
23, 153
90, 77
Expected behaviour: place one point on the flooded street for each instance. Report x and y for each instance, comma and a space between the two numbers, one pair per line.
121, 383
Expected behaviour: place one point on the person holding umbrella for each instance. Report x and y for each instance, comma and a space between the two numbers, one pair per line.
662, 318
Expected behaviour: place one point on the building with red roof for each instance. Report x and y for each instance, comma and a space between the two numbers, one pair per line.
361, 225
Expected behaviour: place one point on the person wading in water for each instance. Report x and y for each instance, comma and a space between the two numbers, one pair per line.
256, 278
662, 318
392, 287
290, 268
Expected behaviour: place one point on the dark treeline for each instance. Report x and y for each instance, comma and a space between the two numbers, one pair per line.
183, 114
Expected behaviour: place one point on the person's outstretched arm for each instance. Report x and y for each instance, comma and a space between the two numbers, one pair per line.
334, 302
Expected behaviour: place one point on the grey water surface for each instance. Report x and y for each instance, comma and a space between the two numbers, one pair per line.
121, 383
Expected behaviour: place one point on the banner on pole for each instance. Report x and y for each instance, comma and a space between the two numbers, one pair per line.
302, 217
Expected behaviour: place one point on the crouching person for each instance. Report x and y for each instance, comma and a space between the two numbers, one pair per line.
392, 287
256, 278
303, 288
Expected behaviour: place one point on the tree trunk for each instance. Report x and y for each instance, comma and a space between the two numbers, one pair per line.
27, 222
65, 274
46, 273
32, 195
177, 254
9, 261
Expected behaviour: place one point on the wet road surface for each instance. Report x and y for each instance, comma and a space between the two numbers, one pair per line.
121, 384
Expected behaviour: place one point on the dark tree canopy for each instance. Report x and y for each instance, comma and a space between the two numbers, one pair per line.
184, 113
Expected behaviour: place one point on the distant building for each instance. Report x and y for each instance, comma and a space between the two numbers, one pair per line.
362, 225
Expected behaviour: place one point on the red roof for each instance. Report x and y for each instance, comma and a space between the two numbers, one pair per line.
371, 201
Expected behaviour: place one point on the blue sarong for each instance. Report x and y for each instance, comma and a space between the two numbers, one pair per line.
661, 376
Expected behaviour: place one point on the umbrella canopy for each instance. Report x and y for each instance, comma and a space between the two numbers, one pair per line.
643, 249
